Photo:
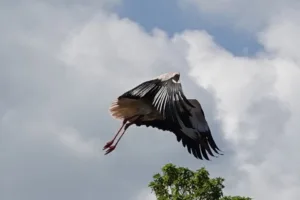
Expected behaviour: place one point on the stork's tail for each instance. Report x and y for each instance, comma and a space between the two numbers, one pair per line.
115, 110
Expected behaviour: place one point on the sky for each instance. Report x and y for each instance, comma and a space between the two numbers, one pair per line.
64, 62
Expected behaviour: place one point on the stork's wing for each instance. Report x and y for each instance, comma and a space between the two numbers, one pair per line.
167, 97
197, 139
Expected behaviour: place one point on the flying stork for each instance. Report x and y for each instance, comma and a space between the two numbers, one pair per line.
160, 103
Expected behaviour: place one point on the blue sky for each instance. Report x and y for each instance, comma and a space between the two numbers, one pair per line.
168, 16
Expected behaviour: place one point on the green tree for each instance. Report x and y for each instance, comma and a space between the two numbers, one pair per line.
179, 183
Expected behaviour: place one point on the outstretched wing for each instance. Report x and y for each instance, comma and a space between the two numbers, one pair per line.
198, 139
166, 96
200, 130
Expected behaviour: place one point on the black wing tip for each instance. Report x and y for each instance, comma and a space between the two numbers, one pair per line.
195, 149
202, 150
209, 157
216, 150
210, 140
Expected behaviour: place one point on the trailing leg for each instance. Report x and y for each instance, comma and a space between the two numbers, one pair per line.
112, 147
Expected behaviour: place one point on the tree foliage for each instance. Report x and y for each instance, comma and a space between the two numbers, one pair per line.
179, 183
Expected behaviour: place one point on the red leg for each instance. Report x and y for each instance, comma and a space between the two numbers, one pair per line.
112, 147
108, 144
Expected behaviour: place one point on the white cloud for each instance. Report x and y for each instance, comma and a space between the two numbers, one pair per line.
258, 103
249, 15
278, 37
56, 93
72, 139
146, 194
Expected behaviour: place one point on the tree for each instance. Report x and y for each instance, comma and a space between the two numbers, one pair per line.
179, 183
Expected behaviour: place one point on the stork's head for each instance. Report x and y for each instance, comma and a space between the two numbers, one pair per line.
174, 76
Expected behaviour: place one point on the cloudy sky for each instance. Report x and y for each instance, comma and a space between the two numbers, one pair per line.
63, 62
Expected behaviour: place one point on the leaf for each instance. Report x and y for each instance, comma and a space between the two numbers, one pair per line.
180, 183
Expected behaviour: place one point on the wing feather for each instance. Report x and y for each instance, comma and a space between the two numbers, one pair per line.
198, 141
166, 96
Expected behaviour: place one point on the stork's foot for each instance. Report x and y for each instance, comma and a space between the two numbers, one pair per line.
110, 149
108, 144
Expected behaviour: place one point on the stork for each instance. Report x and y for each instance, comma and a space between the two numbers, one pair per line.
160, 103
